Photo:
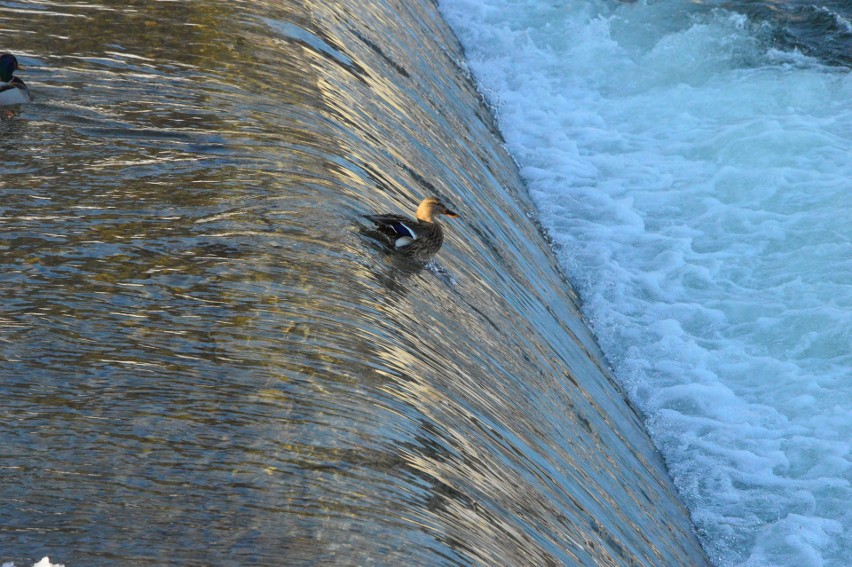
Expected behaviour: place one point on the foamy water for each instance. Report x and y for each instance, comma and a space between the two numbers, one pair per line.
45, 562
698, 183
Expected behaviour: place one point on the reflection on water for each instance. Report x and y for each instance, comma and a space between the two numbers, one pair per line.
203, 358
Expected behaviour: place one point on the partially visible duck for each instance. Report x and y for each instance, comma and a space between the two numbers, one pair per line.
418, 239
12, 89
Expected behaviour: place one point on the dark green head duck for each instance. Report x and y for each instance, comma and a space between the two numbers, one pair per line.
12, 89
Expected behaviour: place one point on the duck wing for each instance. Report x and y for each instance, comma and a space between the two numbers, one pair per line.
395, 226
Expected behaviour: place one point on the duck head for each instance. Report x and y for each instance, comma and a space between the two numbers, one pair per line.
432, 206
8, 65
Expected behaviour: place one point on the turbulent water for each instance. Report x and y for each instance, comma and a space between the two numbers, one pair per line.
691, 161
207, 359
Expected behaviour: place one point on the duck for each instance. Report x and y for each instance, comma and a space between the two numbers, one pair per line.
12, 89
417, 239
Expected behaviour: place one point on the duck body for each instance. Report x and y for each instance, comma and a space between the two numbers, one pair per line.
418, 238
12, 89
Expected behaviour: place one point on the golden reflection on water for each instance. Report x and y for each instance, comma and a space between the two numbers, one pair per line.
196, 326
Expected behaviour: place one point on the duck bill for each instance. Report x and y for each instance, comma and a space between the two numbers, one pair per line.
451, 214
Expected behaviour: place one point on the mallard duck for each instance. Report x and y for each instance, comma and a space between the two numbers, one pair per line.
419, 238
12, 89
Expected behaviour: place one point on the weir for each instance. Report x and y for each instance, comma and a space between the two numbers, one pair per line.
238, 372
521, 447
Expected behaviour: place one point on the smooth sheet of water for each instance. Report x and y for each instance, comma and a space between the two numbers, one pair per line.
692, 161
204, 359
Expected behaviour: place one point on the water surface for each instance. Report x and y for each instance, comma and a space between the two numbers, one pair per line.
691, 161
207, 360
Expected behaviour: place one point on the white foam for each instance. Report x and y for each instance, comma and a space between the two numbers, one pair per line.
45, 562
698, 182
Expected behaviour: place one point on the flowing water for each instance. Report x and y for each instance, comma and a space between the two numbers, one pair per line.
206, 359
692, 160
